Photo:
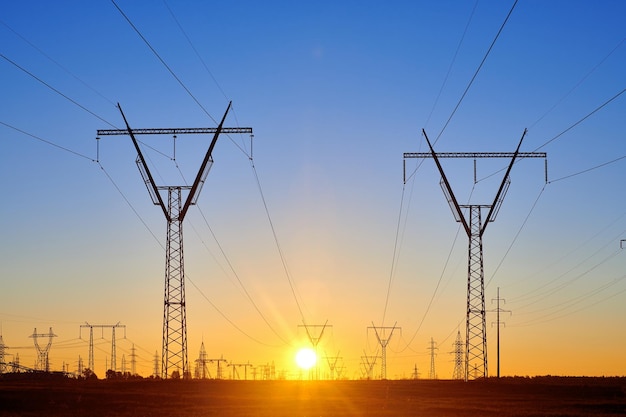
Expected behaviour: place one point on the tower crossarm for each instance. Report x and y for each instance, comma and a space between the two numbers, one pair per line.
175, 131
475, 155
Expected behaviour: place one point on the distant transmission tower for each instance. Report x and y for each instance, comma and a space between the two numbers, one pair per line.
202, 364
90, 361
174, 349
498, 323
459, 368
133, 361
368, 363
43, 364
155, 365
383, 339
475, 327
332, 364
432, 374
3, 366
315, 337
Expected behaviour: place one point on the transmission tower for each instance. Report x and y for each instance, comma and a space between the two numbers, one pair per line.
498, 323
458, 346
315, 337
174, 347
155, 366
383, 339
80, 366
332, 364
475, 328
202, 368
240, 365
245, 367
415, 374
432, 374
3, 347
43, 364
219, 374
90, 362
368, 363
133, 361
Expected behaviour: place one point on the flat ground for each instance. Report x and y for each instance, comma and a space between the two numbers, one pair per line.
525, 397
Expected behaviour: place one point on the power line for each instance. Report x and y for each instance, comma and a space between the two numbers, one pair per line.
162, 60
445, 80
584, 171
53, 89
63, 148
477, 71
195, 50
57, 63
278, 247
578, 84
582, 119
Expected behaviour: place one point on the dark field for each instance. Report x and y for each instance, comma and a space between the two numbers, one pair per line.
506, 397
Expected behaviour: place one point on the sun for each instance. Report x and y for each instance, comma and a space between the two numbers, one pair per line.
306, 358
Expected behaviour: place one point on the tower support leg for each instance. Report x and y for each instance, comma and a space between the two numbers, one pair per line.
174, 352
476, 331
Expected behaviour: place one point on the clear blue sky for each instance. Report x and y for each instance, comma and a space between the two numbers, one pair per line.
335, 93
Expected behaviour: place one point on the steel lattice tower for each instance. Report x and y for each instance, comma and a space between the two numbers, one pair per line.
43, 364
459, 368
476, 332
174, 348
383, 340
2, 353
476, 329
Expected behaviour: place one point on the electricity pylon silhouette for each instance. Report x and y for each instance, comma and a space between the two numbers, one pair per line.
43, 364
458, 371
499, 310
432, 374
368, 363
174, 348
475, 327
383, 340
90, 361
315, 340
332, 364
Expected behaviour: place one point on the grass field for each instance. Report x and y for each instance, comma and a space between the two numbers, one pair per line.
506, 397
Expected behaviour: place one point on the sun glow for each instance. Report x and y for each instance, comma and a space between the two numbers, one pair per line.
306, 358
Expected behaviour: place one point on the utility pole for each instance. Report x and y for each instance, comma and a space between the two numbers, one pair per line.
43, 364
458, 346
498, 310
174, 344
432, 374
475, 321
311, 332
383, 339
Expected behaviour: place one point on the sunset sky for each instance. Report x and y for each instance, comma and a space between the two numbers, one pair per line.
313, 223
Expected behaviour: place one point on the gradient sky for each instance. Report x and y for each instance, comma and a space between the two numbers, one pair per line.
335, 93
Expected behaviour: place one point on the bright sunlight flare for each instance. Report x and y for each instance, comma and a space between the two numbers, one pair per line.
306, 358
